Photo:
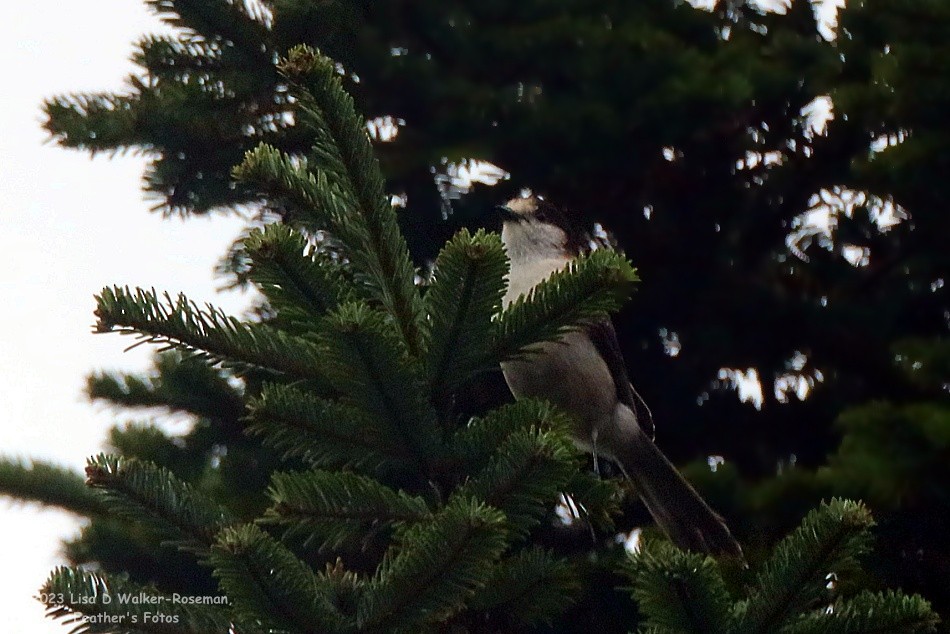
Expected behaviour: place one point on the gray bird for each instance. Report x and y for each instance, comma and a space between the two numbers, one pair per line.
584, 374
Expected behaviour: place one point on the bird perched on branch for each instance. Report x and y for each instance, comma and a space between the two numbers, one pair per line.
584, 374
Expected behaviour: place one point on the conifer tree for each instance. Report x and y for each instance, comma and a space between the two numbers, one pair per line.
398, 512
807, 585
358, 372
651, 118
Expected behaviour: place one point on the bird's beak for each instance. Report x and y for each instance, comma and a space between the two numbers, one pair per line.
506, 214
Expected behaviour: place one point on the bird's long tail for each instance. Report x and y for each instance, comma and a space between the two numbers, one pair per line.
675, 505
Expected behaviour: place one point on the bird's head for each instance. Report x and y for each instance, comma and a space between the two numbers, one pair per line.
535, 228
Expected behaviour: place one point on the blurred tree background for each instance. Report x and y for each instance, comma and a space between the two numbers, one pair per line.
779, 187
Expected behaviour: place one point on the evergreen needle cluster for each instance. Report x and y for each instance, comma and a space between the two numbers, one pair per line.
396, 511
359, 371
807, 585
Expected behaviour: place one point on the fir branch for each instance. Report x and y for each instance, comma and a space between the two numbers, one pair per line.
175, 56
113, 544
325, 156
464, 296
95, 122
434, 569
341, 191
300, 285
530, 587
679, 591
144, 493
48, 484
209, 333
366, 361
598, 500
383, 257
869, 613
588, 289
830, 539
95, 603
343, 587
335, 508
317, 83
150, 443
243, 23
177, 383
475, 447
270, 587
524, 477
315, 200
323, 433
125, 390
475, 444
290, 182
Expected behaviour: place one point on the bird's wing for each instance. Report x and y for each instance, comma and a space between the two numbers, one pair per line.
604, 337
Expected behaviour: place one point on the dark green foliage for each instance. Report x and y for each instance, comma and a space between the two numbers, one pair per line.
528, 587
323, 432
829, 541
806, 585
475, 442
144, 493
525, 473
209, 333
181, 386
49, 485
367, 362
269, 588
344, 185
94, 603
299, 281
893, 455
678, 591
441, 507
599, 499
436, 565
329, 509
651, 118
870, 613
133, 551
463, 298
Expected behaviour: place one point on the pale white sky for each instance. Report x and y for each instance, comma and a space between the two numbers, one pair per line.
68, 226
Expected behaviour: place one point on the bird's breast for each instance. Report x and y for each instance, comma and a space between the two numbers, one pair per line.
526, 275
569, 373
